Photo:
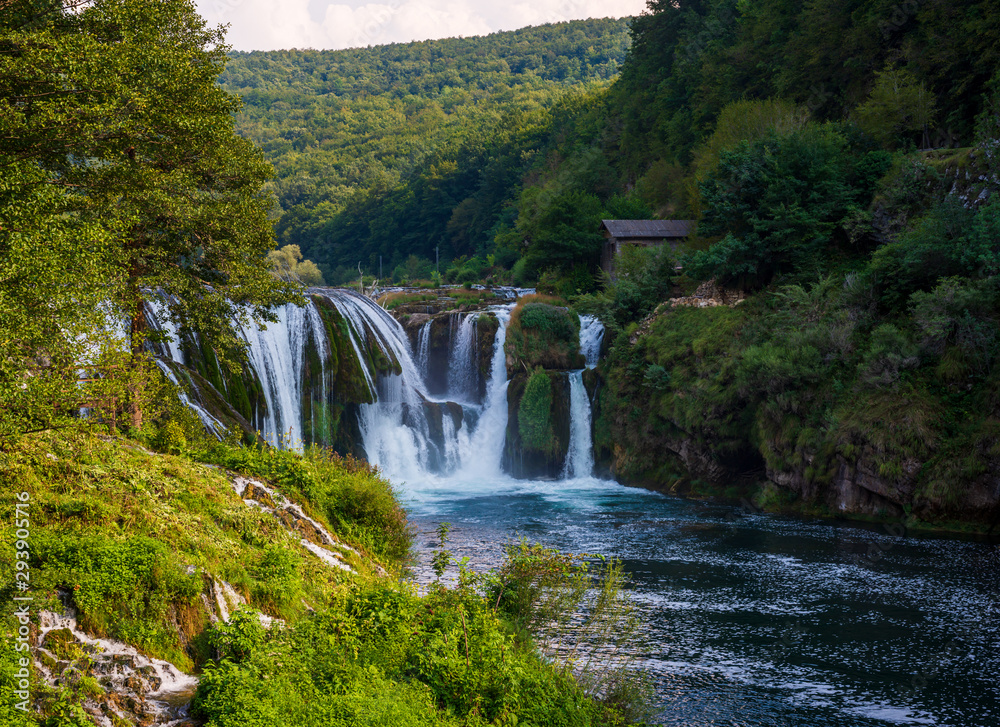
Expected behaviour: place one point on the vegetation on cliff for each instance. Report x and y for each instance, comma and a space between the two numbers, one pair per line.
542, 333
144, 545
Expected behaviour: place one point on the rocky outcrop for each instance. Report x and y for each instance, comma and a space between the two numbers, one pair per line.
543, 455
540, 334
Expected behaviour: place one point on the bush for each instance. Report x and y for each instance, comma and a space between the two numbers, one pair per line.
121, 588
238, 638
542, 334
777, 203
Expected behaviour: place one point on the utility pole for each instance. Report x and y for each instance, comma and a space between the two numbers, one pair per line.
379, 267
437, 259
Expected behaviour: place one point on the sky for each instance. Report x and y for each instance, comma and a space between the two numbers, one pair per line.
334, 24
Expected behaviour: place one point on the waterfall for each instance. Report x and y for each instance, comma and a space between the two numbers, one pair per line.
463, 369
424, 346
580, 457
211, 423
277, 355
396, 430
483, 450
409, 434
160, 321
591, 339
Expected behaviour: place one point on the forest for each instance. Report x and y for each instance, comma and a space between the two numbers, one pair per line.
398, 150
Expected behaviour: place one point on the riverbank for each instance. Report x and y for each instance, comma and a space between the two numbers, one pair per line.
267, 581
792, 402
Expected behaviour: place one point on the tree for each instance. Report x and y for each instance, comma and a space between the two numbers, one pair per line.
287, 264
777, 202
562, 229
898, 104
113, 114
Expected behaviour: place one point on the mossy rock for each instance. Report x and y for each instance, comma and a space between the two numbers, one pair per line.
543, 335
63, 644
538, 424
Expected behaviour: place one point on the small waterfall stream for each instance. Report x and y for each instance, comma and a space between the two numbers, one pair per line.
463, 373
276, 354
580, 458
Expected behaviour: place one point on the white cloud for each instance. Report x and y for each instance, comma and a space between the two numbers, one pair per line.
276, 24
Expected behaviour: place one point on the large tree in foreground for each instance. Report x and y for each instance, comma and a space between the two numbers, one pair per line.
126, 177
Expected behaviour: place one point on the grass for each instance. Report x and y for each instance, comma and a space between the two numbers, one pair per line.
133, 538
461, 296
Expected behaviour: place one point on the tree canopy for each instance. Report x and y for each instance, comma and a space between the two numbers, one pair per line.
124, 179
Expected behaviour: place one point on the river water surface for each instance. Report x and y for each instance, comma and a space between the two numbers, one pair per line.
752, 619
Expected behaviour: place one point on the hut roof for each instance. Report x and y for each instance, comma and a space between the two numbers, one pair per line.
647, 228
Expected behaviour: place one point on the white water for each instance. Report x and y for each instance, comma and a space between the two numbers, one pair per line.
123, 662
423, 346
161, 322
211, 423
481, 457
580, 457
463, 373
396, 431
277, 356
591, 339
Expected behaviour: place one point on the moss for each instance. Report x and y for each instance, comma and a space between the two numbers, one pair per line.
534, 418
541, 334
134, 537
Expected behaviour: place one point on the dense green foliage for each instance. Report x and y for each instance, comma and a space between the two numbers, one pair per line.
534, 420
122, 174
394, 151
132, 539
543, 333
382, 656
375, 148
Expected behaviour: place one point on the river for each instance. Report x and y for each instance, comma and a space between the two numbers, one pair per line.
757, 620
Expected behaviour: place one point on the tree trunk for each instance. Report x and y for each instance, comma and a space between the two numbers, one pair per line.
137, 335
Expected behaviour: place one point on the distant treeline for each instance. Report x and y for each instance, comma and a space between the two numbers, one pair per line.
495, 149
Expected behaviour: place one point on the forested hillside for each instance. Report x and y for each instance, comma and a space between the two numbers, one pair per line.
396, 150
840, 159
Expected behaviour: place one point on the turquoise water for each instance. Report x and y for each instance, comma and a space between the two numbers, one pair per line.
752, 619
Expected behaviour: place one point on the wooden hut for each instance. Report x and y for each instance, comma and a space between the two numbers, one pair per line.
648, 233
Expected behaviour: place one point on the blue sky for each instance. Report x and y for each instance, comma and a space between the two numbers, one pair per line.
275, 24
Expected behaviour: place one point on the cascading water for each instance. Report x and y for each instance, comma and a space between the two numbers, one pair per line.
409, 434
423, 346
277, 355
591, 339
481, 452
396, 429
463, 373
161, 322
580, 457
211, 423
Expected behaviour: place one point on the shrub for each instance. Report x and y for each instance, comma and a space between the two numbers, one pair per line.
238, 638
